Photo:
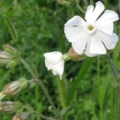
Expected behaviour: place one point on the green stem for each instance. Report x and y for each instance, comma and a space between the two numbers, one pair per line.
42, 86
106, 3
101, 103
62, 92
111, 103
86, 3
116, 103
100, 88
42, 116
37, 95
116, 90
79, 7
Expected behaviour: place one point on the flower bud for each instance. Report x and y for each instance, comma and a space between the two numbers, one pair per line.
75, 56
14, 87
63, 2
9, 107
54, 62
22, 116
10, 50
5, 58
12, 63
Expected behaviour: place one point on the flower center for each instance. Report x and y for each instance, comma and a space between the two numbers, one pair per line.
90, 27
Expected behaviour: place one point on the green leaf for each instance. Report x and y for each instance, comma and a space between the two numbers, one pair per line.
116, 84
115, 69
80, 75
29, 107
65, 110
11, 64
11, 28
101, 95
35, 71
31, 84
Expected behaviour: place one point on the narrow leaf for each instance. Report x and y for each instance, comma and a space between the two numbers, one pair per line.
35, 71
80, 75
65, 110
116, 84
115, 69
11, 28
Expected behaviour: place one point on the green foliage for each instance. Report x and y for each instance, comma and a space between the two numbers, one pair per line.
38, 27
80, 75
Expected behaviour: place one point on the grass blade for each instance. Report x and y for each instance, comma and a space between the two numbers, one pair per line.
80, 75
11, 28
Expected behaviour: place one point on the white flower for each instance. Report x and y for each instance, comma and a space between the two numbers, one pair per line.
54, 62
94, 35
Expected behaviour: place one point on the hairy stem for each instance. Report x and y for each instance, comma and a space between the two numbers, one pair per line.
42, 116
62, 92
42, 86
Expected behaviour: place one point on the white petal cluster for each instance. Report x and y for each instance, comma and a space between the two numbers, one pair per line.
54, 62
94, 35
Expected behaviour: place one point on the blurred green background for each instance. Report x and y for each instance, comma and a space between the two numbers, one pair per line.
39, 28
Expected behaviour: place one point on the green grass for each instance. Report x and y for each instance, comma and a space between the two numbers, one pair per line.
38, 27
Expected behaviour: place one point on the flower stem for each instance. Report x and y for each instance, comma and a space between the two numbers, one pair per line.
100, 87
36, 79
62, 92
116, 90
42, 116
86, 3
79, 7
116, 103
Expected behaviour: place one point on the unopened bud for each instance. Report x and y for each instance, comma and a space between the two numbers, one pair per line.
12, 63
75, 56
63, 2
5, 58
8, 59
10, 107
14, 87
9, 49
22, 116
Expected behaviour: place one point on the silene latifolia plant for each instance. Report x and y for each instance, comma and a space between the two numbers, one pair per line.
91, 37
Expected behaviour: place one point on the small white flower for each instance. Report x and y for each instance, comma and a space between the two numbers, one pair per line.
54, 62
95, 34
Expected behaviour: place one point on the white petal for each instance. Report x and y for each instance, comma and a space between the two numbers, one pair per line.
91, 17
48, 64
54, 72
109, 40
53, 57
105, 26
89, 13
80, 43
108, 15
58, 68
96, 45
90, 54
74, 27
105, 22
75, 21
98, 10
72, 33
88, 50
